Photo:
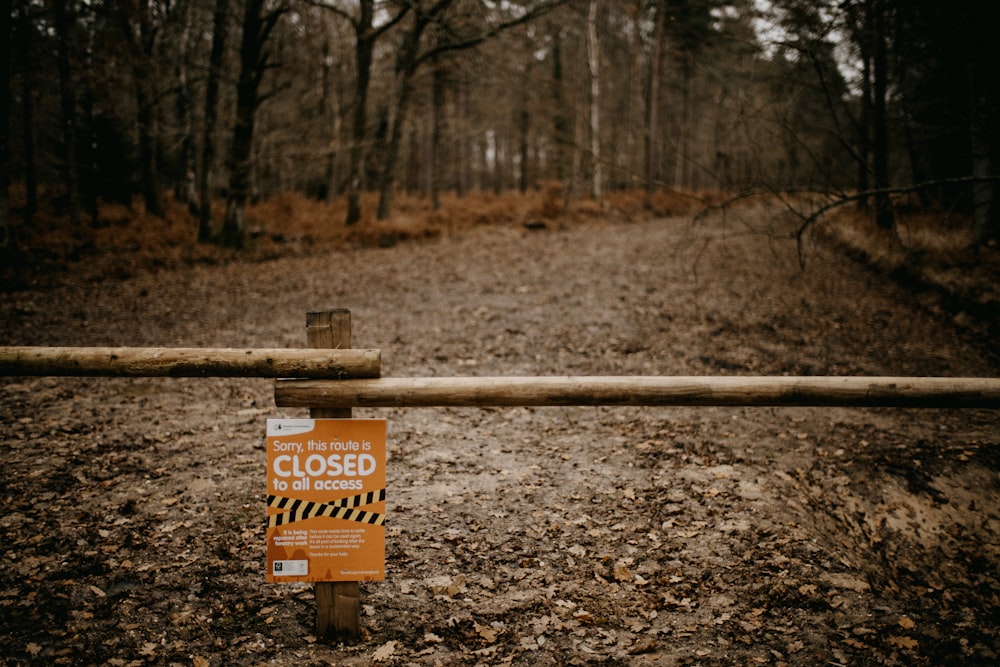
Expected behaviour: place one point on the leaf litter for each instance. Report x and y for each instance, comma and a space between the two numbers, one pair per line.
132, 509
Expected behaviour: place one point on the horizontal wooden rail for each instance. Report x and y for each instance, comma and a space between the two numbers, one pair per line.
189, 362
923, 392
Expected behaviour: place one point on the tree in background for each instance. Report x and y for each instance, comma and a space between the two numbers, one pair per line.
258, 23
140, 22
944, 60
7, 30
64, 21
366, 35
858, 98
924, 116
220, 31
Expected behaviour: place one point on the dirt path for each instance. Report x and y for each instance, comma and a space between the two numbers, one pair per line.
131, 511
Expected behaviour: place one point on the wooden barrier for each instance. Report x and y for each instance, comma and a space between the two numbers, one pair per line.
331, 379
189, 362
908, 392
338, 603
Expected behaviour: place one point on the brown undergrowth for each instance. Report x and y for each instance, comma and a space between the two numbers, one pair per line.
930, 253
122, 240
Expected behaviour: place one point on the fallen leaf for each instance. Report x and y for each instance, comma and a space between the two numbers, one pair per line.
445, 585
384, 652
33, 649
488, 634
198, 661
431, 638
906, 623
904, 642
98, 592
645, 646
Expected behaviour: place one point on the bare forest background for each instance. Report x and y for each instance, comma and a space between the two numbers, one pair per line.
225, 121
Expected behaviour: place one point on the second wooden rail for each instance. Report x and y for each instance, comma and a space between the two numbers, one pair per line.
903, 392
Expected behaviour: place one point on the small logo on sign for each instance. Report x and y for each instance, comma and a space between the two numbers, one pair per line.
290, 568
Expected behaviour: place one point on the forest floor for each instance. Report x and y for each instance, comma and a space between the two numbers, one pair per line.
132, 510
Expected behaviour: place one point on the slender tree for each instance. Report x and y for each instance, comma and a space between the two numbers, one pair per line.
220, 31
876, 9
7, 30
258, 24
655, 75
594, 63
67, 98
22, 46
141, 31
185, 190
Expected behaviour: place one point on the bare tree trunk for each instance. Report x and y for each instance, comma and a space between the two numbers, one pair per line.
652, 135
595, 100
884, 217
67, 98
363, 65
406, 66
464, 150
26, 30
253, 61
6, 29
563, 132
186, 190
499, 158
633, 158
220, 29
681, 168
141, 51
147, 150
388, 180
524, 131
865, 124
983, 208
437, 162
330, 109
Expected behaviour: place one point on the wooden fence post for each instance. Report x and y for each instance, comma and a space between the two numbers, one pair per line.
338, 603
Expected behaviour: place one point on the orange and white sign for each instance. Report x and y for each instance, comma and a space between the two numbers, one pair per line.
326, 499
